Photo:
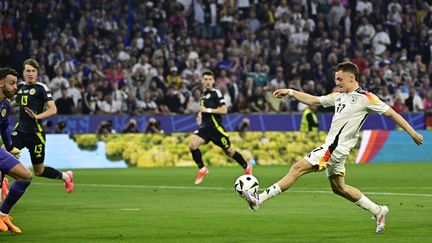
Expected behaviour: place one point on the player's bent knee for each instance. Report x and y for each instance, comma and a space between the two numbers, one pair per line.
297, 168
28, 176
192, 145
229, 152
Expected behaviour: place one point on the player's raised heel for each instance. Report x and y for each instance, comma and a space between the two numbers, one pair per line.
200, 175
252, 200
248, 169
381, 219
68, 183
7, 220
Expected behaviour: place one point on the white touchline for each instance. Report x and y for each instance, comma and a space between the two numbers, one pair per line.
297, 190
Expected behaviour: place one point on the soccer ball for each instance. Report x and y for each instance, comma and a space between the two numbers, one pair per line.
246, 183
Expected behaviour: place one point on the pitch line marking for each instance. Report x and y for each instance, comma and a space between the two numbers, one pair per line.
226, 189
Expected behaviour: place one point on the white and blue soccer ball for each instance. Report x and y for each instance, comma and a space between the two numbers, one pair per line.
246, 183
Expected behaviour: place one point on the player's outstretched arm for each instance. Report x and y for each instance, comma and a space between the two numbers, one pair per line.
417, 137
300, 96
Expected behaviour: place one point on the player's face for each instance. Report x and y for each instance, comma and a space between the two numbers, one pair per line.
30, 74
207, 81
345, 81
9, 86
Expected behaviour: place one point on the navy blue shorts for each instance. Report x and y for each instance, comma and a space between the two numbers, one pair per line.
7, 161
34, 142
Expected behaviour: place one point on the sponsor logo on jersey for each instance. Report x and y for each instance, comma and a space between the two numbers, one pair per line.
32, 91
208, 96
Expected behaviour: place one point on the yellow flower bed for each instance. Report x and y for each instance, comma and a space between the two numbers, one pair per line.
150, 150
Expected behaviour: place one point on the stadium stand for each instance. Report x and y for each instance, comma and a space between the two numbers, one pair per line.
146, 57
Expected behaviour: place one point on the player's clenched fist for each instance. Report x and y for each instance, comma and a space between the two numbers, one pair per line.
15, 152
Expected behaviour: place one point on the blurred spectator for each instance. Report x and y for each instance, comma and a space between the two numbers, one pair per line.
414, 102
365, 32
241, 104
58, 83
193, 105
427, 102
171, 102
385, 96
130, 106
153, 126
399, 106
364, 7
147, 105
89, 101
150, 45
131, 127
380, 41
109, 106
173, 78
65, 104
243, 127
258, 101
105, 127
309, 121
279, 80
75, 91
60, 127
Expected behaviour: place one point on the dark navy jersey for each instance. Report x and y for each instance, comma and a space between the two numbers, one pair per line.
211, 99
5, 111
34, 96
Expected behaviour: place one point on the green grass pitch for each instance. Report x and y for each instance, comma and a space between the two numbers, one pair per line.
163, 205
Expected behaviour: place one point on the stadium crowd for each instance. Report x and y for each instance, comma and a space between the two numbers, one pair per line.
146, 57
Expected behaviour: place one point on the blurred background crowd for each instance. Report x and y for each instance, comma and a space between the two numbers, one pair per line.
146, 57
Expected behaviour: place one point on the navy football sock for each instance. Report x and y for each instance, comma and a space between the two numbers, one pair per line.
240, 160
15, 192
51, 173
197, 157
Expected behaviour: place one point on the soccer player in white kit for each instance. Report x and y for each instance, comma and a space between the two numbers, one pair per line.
352, 106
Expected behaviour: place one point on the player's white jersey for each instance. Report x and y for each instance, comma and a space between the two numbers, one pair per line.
351, 110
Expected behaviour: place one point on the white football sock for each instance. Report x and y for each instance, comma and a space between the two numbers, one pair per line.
202, 169
64, 176
270, 192
367, 204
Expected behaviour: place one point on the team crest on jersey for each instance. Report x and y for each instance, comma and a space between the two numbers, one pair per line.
3, 112
208, 96
32, 91
353, 99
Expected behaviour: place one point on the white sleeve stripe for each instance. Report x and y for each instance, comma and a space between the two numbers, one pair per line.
44, 86
219, 94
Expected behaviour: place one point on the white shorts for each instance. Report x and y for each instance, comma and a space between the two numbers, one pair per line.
333, 163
